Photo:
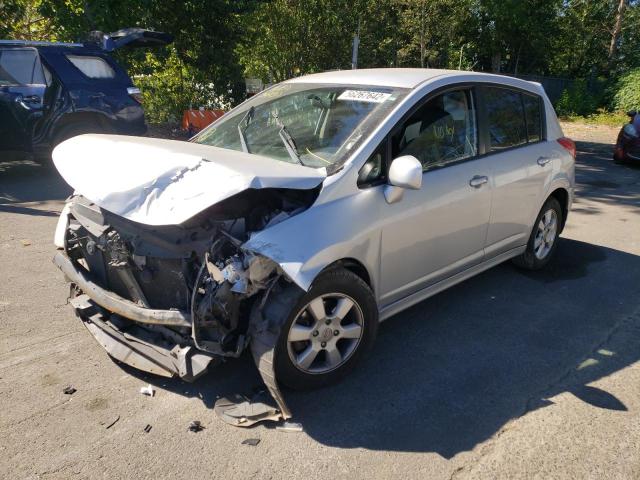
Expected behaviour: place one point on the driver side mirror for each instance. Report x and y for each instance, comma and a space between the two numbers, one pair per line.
405, 173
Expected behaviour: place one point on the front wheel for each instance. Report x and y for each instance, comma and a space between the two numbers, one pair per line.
326, 332
544, 237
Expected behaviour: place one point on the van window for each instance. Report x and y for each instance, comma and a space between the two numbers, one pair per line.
440, 132
505, 116
20, 66
533, 117
92, 67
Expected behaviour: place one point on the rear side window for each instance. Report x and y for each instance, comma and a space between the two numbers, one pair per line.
20, 66
506, 119
92, 67
533, 117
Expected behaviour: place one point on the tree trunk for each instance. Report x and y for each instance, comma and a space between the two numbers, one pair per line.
616, 30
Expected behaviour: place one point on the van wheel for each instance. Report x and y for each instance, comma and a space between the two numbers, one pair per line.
544, 237
325, 331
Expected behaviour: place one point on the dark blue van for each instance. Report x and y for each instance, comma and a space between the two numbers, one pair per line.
53, 91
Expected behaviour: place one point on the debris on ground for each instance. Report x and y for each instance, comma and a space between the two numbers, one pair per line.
148, 391
147, 429
290, 427
251, 441
69, 390
242, 411
25, 243
195, 426
113, 423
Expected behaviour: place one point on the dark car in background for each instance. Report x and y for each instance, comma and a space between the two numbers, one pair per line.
627, 147
53, 91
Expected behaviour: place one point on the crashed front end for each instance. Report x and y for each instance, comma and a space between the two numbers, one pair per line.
175, 300
153, 243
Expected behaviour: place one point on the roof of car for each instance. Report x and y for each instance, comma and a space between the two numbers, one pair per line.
386, 77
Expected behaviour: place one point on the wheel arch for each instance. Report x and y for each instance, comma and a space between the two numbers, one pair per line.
354, 266
562, 196
82, 118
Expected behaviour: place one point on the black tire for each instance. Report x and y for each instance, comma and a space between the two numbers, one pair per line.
528, 260
74, 129
283, 308
617, 159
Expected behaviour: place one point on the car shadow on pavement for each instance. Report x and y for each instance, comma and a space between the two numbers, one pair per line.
25, 186
450, 372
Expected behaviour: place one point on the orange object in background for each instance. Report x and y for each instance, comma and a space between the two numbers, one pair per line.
195, 120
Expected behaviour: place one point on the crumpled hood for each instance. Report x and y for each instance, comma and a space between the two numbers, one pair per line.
166, 182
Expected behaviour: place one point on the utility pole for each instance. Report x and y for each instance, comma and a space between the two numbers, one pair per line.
354, 52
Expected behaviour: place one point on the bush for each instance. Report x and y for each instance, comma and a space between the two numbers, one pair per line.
576, 100
171, 87
627, 95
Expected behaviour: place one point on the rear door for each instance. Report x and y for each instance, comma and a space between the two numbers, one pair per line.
521, 163
22, 88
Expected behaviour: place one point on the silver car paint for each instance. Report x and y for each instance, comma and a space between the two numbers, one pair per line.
434, 233
433, 237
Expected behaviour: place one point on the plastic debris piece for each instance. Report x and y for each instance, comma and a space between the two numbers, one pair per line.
148, 391
26, 243
290, 427
69, 390
113, 423
251, 441
241, 411
147, 429
195, 426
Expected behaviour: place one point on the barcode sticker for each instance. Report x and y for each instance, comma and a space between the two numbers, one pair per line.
364, 96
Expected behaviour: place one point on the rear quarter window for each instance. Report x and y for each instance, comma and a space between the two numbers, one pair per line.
92, 67
533, 115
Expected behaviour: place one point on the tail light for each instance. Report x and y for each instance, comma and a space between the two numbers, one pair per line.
569, 145
134, 92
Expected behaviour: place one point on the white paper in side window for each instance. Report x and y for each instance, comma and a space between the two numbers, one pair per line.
364, 96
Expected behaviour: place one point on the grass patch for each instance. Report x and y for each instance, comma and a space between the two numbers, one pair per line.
602, 117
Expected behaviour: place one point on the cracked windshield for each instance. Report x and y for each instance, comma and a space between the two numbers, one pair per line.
312, 125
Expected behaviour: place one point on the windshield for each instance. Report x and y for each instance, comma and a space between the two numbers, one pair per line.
313, 125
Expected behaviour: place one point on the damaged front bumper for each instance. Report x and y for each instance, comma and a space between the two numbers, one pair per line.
141, 338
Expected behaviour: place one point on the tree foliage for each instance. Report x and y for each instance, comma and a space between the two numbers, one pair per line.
219, 42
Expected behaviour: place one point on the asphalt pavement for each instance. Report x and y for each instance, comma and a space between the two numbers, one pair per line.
507, 375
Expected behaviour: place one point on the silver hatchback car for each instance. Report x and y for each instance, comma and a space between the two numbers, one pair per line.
306, 215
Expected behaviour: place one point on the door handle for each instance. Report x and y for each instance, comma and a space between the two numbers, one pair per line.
478, 180
542, 161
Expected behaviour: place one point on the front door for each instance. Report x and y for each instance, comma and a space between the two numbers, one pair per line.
439, 230
22, 88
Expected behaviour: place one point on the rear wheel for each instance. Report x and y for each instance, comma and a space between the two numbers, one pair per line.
69, 131
326, 330
544, 237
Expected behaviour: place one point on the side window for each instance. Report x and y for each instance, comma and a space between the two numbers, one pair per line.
440, 132
532, 111
92, 67
20, 66
505, 116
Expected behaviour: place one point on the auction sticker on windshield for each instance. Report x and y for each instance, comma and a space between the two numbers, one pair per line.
364, 96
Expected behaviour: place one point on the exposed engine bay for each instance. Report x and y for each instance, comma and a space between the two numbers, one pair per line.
173, 300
